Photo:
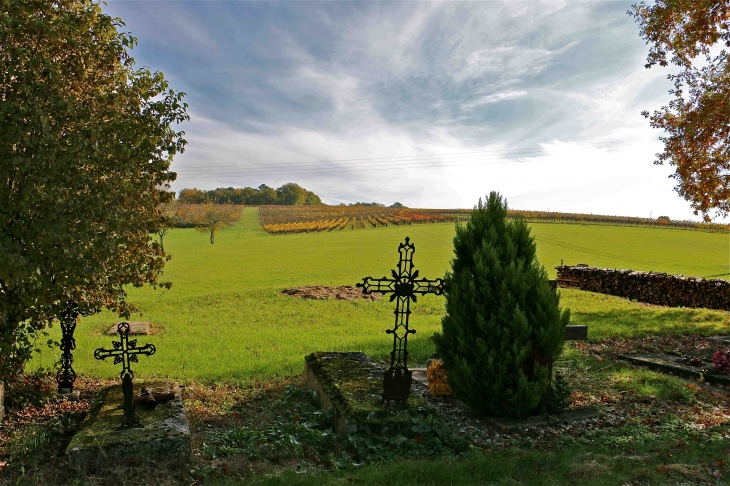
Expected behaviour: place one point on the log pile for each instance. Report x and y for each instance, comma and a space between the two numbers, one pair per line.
651, 288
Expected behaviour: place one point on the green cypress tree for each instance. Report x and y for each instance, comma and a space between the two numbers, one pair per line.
503, 325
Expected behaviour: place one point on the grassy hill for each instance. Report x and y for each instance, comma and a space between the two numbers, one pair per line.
225, 317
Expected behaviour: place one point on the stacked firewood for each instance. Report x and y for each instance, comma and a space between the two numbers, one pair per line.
651, 288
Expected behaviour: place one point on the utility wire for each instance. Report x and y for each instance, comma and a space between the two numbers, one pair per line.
262, 171
289, 166
242, 173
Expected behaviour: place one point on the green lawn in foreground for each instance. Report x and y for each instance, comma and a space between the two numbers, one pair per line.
225, 318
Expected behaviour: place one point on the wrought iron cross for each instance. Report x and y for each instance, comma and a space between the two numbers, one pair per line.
404, 286
66, 375
126, 352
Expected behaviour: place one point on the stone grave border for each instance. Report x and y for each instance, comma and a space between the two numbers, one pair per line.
358, 407
351, 384
664, 364
100, 443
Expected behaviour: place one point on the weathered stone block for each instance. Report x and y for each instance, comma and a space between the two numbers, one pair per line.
100, 442
669, 364
352, 385
71, 396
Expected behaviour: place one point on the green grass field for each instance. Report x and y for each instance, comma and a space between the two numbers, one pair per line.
225, 321
225, 318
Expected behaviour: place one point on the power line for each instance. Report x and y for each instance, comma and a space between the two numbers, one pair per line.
348, 169
385, 163
426, 156
400, 162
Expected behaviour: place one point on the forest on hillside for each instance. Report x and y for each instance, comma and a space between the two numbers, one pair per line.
289, 194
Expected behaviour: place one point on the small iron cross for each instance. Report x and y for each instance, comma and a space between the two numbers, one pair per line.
404, 286
126, 352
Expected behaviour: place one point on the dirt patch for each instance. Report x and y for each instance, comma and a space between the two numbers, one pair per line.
321, 292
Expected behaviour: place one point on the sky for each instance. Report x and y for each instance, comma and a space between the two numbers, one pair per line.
431, 104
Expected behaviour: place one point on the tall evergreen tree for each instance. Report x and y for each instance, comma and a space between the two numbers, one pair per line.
504, 325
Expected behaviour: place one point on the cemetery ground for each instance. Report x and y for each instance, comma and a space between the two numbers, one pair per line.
236, 343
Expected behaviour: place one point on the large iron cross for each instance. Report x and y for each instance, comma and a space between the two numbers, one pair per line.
126, 352
404, 286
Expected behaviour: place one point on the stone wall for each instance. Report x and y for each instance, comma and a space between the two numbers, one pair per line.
651, 288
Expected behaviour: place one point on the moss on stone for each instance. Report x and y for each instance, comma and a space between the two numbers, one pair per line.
100, 440
354, 384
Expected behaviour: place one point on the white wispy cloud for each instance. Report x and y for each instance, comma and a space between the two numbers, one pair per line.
538, 100
493, 98
510, 62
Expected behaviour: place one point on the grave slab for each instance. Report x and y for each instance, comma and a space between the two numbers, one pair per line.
100, 442
352, 385
670, 364
135, 327
720, 340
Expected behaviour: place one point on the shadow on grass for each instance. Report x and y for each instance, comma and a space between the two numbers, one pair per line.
725, 274
639, 322
571, 465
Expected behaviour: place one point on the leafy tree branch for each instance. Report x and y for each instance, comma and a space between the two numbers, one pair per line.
697, 120
86, 142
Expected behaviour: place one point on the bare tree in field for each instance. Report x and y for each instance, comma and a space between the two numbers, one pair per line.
169, 212
212, 218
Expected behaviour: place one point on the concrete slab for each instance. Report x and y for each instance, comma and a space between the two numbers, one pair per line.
164, 437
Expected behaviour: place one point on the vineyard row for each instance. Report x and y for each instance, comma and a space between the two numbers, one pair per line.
302, 219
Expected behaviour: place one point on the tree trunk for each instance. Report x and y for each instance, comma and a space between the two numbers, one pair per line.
212, 237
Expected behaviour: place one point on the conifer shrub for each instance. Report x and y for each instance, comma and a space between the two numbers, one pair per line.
503, 326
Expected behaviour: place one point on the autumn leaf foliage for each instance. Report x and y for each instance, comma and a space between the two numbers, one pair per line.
86, 141
697, 120
436, 375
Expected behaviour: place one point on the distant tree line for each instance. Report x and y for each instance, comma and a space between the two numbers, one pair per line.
289, 194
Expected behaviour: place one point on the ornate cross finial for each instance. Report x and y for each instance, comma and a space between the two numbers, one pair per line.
126, 352
404, 285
